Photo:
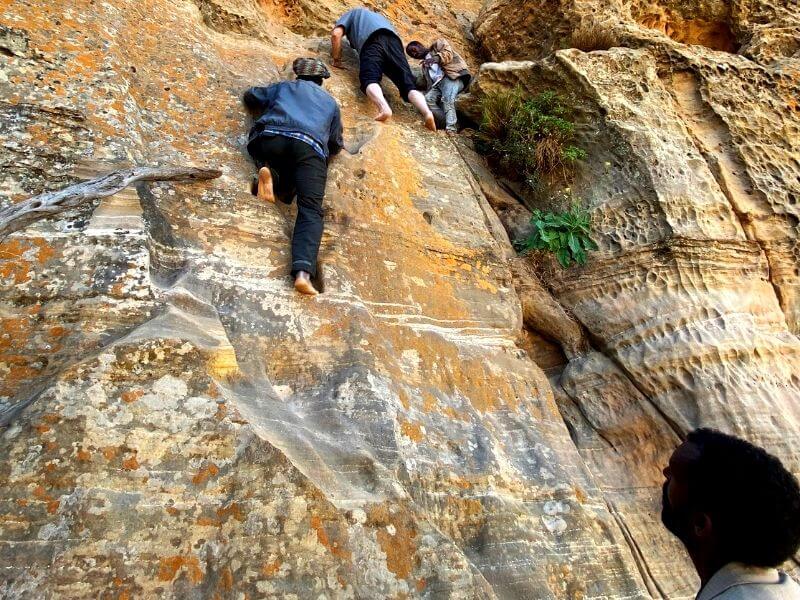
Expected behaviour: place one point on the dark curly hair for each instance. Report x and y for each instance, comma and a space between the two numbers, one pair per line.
753, 501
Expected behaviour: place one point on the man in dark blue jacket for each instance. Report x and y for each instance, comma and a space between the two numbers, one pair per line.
299, 128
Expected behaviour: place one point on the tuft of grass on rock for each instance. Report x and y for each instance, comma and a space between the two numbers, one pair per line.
528, 137
591, 37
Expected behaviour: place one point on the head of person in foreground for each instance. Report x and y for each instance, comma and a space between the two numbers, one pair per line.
729, 501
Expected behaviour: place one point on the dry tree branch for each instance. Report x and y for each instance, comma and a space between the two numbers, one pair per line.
20, 215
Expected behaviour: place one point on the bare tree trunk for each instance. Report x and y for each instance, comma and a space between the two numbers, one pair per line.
19, 216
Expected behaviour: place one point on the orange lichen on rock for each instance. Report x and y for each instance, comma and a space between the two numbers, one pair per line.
412, 430
110, 452
130, 463
271, 568
169, 567
41, 494
397, 537
334, 546
132, 396
226, 579
205, 473
13, 262
232, 510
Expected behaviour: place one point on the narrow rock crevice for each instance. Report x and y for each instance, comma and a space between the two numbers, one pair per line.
646, 573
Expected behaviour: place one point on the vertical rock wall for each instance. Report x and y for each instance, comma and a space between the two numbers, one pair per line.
692, 180
176, 422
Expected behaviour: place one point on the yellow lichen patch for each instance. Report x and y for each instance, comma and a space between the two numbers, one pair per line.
412, 430
486, 285
403, 396
464, 517
169, 567
222, 363
429, 402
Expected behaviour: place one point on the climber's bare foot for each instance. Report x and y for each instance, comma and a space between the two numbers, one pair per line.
430, 122
302, 283
384, 115
265, 192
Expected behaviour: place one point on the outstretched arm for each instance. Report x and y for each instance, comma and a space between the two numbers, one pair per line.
336, 45
445, 51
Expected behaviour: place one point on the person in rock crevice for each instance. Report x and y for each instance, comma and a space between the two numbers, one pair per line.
446, 76
736, 509
380, 52
299, 128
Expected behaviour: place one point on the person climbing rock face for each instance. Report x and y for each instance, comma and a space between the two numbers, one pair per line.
299, 128
737, 511
446, 76
380, 53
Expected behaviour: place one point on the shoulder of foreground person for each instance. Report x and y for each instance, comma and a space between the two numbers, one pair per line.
741, 582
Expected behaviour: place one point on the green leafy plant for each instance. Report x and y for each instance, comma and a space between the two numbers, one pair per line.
528, 136
566, 234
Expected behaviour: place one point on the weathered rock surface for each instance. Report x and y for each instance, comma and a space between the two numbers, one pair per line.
176, 422
692, 180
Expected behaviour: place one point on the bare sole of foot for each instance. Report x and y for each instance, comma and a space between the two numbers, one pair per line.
303, 285
430, 122
265, 192
384, 115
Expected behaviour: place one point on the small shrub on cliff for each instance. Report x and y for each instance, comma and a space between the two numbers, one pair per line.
528, 137
594, 37
566, 234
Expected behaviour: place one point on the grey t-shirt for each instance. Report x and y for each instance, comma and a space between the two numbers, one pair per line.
360, 23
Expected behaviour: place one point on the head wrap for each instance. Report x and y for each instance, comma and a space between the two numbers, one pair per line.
310, 67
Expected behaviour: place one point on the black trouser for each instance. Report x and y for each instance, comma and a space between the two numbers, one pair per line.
383, 54
296, 169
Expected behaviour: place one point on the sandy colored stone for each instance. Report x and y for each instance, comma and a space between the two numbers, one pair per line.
176, 422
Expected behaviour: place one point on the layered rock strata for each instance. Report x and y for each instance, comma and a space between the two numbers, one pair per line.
176, 422
691, 179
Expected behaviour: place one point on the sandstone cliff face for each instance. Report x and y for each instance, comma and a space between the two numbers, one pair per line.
693, 183
176, 422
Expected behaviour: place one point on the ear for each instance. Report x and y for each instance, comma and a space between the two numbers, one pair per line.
701, 525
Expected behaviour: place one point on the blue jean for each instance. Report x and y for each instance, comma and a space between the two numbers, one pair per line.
446, 91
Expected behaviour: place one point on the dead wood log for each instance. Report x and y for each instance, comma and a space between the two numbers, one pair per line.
20, 215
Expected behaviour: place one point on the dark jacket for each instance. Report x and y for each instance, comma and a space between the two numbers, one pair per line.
299, 106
